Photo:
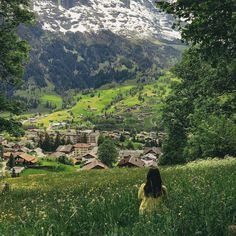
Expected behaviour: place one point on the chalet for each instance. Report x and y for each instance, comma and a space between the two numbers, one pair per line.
81, 149
149, 156
88, 156
7, 155
39, 152
95, 165
131, 162
8, 147
25, 159
24, 149
154, 150
65, 148
132, 153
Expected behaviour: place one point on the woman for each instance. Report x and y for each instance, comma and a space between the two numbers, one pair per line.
151, 193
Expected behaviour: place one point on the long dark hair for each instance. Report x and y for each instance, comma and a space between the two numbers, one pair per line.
153, 186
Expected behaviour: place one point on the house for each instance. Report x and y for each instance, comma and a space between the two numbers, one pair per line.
8, 147
81, 149
25, 159
7, 155
24, 149
65, 148
95, 165
132, 153
154, 150
39, 152
131, 162
149, 157
88, 156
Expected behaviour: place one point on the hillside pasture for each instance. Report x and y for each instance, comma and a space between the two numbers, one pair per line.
201, 201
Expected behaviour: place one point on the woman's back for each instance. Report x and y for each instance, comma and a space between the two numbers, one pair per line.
152, 192
150, 204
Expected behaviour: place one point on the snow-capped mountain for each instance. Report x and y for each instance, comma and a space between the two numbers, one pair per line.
88, 43
130, 18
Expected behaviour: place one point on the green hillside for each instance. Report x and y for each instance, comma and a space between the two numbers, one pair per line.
130, 105
105, 202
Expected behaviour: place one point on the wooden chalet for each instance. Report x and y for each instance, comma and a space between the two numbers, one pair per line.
25, 159
95, 165
65, 148
131, 162
153, 150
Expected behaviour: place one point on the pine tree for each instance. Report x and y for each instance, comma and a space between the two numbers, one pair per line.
11, 162
57, 141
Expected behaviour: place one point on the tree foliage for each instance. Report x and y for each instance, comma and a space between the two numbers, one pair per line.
107, 152
207, 23
13, 56
199, 115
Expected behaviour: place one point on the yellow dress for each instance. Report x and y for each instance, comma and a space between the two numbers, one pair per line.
150, 204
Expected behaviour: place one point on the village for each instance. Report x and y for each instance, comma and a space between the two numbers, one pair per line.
78, 148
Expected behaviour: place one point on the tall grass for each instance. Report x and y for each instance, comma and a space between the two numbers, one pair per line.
201, 201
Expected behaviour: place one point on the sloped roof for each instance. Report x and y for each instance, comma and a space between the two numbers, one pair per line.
8, 154
133, 153
89, 155
65, 148
156, 150
28, 157
131, 160
95, 163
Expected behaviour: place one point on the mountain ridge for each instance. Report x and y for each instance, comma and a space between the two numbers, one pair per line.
122, 17
90, 59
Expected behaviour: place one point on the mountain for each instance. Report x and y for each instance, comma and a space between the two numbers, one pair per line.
88, 43
129, 18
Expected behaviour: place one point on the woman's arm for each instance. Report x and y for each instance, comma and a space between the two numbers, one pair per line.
141, 192
164, 190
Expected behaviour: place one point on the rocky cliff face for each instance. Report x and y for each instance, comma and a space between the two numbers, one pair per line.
130, 18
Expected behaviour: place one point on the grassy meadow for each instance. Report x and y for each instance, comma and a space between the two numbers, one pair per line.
201, 201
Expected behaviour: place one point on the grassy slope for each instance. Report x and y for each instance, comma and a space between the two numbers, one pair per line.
201, 201
53, 99
91, 106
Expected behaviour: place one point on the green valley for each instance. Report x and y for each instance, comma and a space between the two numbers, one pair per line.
129, 105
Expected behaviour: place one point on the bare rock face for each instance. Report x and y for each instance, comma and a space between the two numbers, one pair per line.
129, 18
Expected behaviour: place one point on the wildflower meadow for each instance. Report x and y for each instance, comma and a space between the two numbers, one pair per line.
201, 201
